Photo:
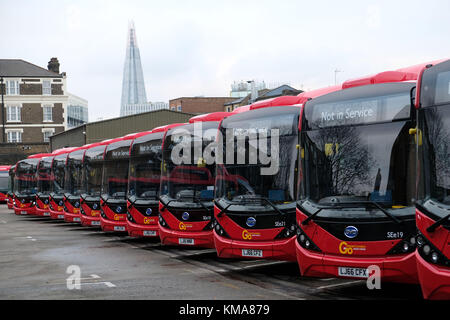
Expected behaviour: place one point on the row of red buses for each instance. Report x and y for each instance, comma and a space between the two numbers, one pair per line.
338, 179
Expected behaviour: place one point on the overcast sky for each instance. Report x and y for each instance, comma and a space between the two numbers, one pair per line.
192, 48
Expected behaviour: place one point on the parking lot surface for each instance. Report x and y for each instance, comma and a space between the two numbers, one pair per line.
35, 254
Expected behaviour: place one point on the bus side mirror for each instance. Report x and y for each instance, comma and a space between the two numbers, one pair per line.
412, 97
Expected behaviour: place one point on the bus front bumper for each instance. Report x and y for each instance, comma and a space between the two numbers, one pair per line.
283, 250
434, 280
204, 239
398, 268
142, 230
114, 226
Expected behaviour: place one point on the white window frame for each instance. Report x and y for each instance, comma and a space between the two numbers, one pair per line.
179, 108
17, 113
43, 112
18, 133
9, 91
47, 91
48, 130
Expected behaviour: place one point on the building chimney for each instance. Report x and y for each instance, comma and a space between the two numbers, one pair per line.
53, 65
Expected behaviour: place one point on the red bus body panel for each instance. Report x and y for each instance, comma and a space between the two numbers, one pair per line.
434, 279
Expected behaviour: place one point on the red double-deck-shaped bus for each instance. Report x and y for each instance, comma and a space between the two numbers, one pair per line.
73, 184
113, 199
255, 210
433, 199
44, 186
92, 167
144, 182
355, 208
25, 184
186, 207
58, 171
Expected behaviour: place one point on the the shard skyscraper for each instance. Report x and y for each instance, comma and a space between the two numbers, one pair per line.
133, 86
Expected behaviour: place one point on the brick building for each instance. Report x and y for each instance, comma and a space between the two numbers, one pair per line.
33, 103
199, 105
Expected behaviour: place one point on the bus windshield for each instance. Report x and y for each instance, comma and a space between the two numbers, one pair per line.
243, 181
93, 166
73, 184
191, 180
434, 140
44, 176
58, 171
115, 170
4, 175
25, 178
358, 149
11, 179
145, 167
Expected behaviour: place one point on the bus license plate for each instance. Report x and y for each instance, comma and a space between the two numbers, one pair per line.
252, 253
119, 228
149, 233
352, 272
46, 214
186, 241
95, 223
23, 212
61, 216
76, 219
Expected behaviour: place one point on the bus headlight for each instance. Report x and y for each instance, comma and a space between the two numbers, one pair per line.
163, 222
305, 242
430, 253
220, 230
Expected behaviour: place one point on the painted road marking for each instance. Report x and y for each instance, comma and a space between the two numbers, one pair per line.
340, 284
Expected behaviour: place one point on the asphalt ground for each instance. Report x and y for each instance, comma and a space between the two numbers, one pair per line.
35, 253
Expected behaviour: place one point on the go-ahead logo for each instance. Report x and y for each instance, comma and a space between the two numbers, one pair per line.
247, 235
346, 248
183, 226
148, 220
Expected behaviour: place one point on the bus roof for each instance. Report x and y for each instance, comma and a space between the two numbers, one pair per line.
241, 109
63, 150
213, 116
135, 135
167, 127
40, 155
410, 73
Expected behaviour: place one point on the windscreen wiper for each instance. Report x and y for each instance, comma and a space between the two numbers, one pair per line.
438, 223
224, 210
197, 200
309, 218
370, 202
165, 205
272, 205
350, 204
